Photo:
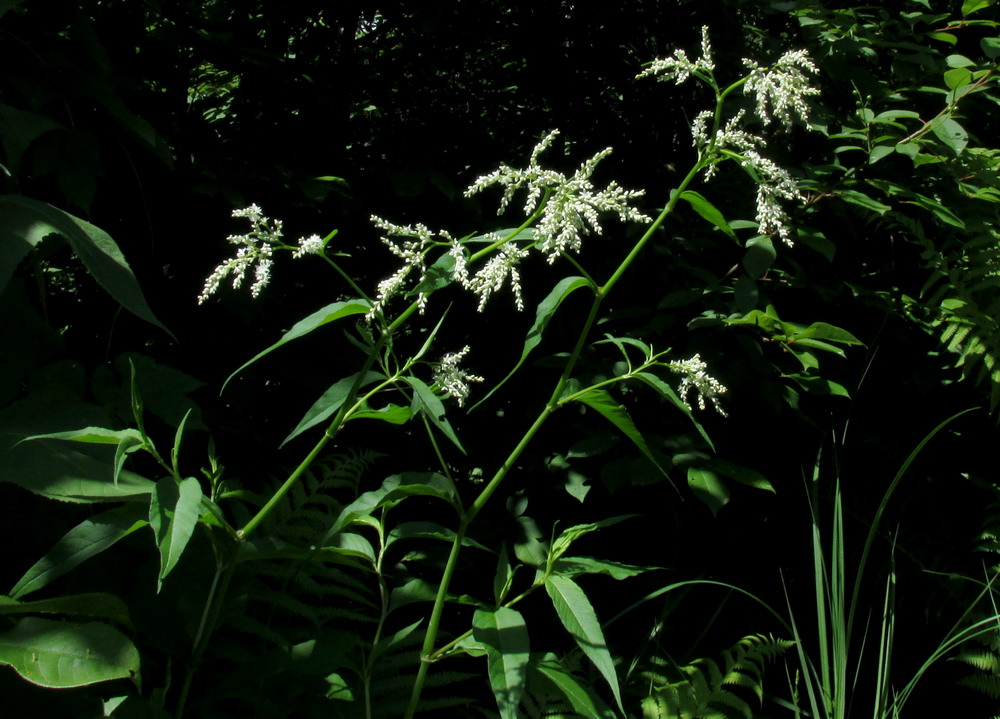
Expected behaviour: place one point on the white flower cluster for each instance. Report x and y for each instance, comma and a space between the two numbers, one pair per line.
452, 379
412, 251
493, 274
695, 378
678, 67
312, 245
256, 246
573, 203
782, 88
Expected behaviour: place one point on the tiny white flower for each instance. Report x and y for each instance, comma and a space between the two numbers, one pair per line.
452, 379
312, 245
696, 379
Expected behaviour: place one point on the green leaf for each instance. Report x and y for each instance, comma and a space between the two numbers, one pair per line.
862, 200
578, 617
60, 654
330, 401
391, 413
503, 578
583, 700
429, 530
393, 489
326, 315
668, 393
173, 514
573, 566
958, 61
87, 539
741, 474
957, 77
60, 471
707, 210
707, 486
426, 402
760, 256
96, 605
569, 535
543, 313
26, 222
505, 637
880, 151
947, 37
826, 332
971, 6
951, 134
607, 407
889, 116
126, 441
991, 47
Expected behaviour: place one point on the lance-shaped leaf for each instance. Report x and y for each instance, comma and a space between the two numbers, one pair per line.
69, 473
505, 637
173, 514
578, 616
607, 407
61, 655
26, 222
668, 393
98, 605
707, 210
126, 441
580, 696
393, 490
708, 487
428, 403
317, 319
543, 313
331, 400
92, 536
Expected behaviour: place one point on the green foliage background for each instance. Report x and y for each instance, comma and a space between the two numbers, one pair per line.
151, 121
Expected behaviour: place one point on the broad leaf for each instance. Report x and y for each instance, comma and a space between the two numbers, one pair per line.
317, 319
173, 514
61, 654
58, 470
92, 536
26, 222
578, 617
97, 605
707, 486
126, 441
505, 637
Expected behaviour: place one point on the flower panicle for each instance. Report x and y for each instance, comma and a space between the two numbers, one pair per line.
255, 248
695, 379
453, 379
679, 67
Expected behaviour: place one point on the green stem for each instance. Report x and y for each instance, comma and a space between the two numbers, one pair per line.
427, 654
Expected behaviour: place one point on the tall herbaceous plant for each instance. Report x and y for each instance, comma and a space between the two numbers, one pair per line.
315, 546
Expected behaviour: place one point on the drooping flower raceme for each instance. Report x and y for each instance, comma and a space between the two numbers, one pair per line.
573, 204
256, 246
695, 378
453, 379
